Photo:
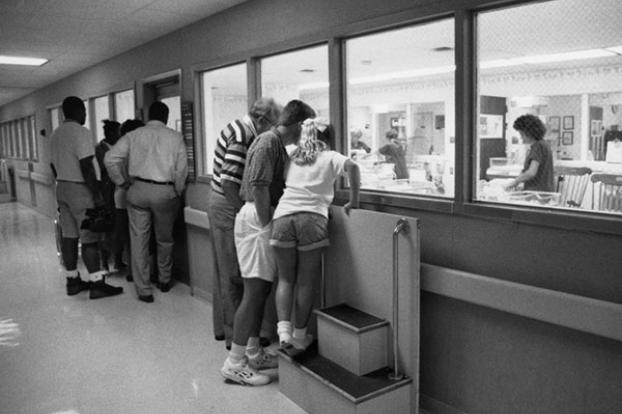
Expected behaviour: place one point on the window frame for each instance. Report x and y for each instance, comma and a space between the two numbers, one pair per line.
463, 203
202, 174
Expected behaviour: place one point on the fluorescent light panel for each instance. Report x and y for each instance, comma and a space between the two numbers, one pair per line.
489, 64
555, 57
16, 60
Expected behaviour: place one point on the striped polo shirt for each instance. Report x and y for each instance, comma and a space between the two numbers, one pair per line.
230, 153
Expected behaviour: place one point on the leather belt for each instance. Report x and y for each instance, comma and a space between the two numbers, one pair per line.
154, 182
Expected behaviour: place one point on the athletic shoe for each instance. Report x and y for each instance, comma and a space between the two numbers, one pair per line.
100, 289
263, 360
243, 374
76, 285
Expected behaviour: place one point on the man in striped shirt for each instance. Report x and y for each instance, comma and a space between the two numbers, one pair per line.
224, 203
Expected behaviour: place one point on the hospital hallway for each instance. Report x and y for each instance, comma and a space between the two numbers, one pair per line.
113, 355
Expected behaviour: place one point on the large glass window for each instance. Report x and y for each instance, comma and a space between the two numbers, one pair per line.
3, 139
87, 120
400, 108
54, 118
102, 112
19, 145
25, 138
556, 64
124, 105
224, 98
301, 74
32, 133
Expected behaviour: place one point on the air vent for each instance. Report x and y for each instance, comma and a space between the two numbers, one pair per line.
307, 70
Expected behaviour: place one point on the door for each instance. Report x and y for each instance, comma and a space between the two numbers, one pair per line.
166, 88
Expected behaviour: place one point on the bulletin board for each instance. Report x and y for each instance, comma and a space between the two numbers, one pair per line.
187, 130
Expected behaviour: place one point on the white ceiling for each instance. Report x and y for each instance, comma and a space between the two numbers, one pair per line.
76, 34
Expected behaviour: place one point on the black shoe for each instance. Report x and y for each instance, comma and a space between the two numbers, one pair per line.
146, 298
219, 337
100, 289
76, 285
165, 287
129, 278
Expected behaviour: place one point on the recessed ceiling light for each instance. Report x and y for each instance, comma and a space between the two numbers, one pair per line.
615, 49
443, 49
16, 60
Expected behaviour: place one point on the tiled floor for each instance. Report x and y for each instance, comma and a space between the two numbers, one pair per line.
114, 355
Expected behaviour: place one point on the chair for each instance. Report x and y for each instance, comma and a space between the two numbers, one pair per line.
607, 196
571, 185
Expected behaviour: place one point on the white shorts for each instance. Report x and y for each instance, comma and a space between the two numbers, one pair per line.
252, 241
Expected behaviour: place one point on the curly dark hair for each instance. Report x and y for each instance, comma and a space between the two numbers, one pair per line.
531, 126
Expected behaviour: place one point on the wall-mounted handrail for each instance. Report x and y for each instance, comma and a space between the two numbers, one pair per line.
402, 225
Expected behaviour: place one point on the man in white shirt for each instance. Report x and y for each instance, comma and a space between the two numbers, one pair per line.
77, 190
157, 168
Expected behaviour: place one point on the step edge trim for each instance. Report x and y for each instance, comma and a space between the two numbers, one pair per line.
350, 327
397, 384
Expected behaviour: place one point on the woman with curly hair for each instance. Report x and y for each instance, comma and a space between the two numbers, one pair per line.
300, 227
537, 173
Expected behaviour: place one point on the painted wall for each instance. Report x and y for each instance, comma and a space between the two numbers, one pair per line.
472, 359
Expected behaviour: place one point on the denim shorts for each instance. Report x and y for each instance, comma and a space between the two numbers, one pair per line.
305, 231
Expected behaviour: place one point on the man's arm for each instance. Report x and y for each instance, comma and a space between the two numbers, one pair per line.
90, 178
181, 168
354, 176
232, 193
115, 161
261, 194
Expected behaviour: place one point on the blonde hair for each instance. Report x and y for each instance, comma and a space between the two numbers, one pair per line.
309, 146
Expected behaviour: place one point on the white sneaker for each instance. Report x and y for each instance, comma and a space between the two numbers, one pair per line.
243, 374
263, 360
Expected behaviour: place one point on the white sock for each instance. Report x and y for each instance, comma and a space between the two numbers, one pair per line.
252, 346
97, 276
236, 354
71, 273
284, 330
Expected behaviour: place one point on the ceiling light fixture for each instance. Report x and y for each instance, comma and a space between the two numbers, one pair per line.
16, 60
403, 75
313, 85
615, 49
555, 57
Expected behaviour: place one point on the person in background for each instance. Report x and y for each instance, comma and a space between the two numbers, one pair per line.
395, 153
112, 132
157, 167
121, 233
300, 227
223, 204
355, 141
262, 186
537, 173
77, 190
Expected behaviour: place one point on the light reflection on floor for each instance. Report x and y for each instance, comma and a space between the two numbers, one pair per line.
108, 356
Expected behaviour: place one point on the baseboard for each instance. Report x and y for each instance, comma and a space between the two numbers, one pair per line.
203, 295
432, 406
